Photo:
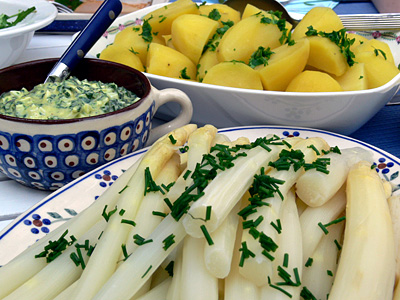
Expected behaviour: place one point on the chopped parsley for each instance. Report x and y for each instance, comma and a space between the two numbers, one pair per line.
260, 57
5, 20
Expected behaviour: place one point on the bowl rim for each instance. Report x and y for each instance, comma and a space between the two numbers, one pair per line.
143, 77
45, 14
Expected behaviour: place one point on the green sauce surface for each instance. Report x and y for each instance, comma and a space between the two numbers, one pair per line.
69, 99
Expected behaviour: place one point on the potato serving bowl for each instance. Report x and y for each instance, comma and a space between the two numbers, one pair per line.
342, 112
15, 39
47, 154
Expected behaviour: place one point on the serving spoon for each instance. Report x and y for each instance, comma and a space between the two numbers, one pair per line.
96, 26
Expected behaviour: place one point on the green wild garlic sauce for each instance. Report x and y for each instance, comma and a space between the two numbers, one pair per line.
69, 99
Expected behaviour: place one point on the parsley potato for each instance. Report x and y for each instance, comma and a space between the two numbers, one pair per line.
190, 33
313, 81
285, 63
120, 54
320, 18
165, 61
354, 79
233, 74
241, 40
227, 13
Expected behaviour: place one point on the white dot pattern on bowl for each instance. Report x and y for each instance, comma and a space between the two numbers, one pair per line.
23, 145
45, 146
48, 161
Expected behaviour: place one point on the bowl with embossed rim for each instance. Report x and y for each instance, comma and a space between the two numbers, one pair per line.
47, 154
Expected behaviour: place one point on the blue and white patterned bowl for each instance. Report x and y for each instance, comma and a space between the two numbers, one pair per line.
47, 154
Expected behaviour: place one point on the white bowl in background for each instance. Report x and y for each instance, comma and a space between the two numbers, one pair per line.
342, 112
15, 39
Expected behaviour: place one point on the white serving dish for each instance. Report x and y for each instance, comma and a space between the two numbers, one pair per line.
14, 40
342, 112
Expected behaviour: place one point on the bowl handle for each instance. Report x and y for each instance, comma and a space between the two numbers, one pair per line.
185, 115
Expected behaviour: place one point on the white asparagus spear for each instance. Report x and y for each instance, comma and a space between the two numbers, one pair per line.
257, 268
67, 293
174, 290
145, 220
236, 286
367, 263
218, 257
24, 266
59, 273
394, 207
195, 276
104, 259
313, 217
319, 272
229, 185
158, 292
288, 262
396, 295
143, 262
315, 188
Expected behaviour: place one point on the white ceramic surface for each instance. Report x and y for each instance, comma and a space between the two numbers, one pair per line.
66, 202
342, 112
14, 40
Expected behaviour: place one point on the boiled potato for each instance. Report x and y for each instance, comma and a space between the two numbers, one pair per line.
313, 81
168, 41
320, 18
233, 74
285, 64
190, 33
358, 40
325, 55
131, 38
227, 13
354, 79
373, 46
206, 62
250, 10
241, 40
161, 19
122, 55
378, 70
165, 61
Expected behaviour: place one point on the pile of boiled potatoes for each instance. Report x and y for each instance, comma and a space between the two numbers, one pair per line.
172, 42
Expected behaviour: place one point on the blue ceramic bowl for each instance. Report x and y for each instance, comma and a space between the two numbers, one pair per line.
47, 154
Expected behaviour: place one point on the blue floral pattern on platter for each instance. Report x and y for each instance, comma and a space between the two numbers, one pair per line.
49, 162
76, 196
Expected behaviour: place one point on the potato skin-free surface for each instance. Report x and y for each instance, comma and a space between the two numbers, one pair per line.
321, 19
241, 40
161, 19
207, 61
233, 74
378, 70
227, 13
285, 64
190, 33
165, 61
120, 54
325, 55
313, 81
354, 79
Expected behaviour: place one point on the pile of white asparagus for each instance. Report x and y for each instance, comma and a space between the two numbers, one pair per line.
201, 217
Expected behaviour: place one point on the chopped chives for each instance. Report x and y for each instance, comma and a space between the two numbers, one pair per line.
168, 241
159, 213
338, 220
138, 240
306, 294
108, 215
322, 226
186, 175
286, 260
246, 253
208, 213
121, 191
121, 212
315, 149
168, 202
338, 245
170, 268
309, 262
207, 235
281, 290
277, 226
267, 255
329, 272
124, 252
147, 271
172, 139
254, 232
129, 222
